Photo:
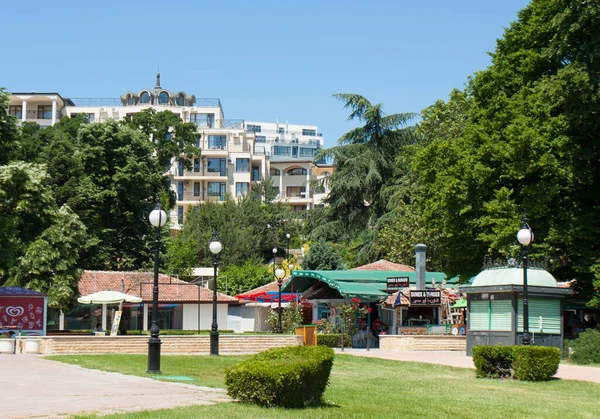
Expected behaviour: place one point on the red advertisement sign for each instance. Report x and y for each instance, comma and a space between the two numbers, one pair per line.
26, 313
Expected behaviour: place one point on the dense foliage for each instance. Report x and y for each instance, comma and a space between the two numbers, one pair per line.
292, 377
291, 318
528, 363
323, 256
586, 348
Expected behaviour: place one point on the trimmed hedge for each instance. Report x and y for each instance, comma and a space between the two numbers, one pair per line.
334, 340
586, 348
529, 363
535, 363
493, 361
290, 377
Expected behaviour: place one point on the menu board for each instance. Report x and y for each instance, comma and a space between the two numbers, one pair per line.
425, 297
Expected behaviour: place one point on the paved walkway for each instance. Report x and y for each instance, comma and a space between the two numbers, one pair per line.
460, 360
36, 387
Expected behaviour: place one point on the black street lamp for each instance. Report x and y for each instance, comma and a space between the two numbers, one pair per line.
525, 237
215, 248
157, 218
278, 274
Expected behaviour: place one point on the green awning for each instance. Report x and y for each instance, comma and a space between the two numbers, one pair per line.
462, 303
367, 285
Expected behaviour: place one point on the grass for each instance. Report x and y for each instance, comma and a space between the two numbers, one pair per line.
374, 388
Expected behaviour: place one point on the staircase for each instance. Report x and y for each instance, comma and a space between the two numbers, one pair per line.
422, 343
228, 344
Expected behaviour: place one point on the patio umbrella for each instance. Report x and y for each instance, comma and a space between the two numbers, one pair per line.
108, 297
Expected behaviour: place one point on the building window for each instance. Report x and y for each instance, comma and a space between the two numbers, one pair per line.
180, 214
130, 100
282, 151
44, 112
170, 316
180, 191
309, 132
16, 111
242, 165
145, 98
217, 166
203, 120
163, 98
180, 167
180, 99
217, 142
216, 189
307, 152
130, 115
296, 171
281, 131
253, 128
90, 117
241, 189
255, 177
261, 139
274, 172
196, 188
196, 164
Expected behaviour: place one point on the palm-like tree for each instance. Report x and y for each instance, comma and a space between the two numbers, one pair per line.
364, 163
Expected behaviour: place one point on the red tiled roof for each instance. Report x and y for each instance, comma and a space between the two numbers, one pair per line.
385, 265
140, 284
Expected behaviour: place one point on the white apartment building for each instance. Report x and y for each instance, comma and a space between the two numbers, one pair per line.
235, 154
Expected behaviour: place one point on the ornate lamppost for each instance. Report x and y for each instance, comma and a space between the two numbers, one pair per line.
157, 218
525, 237
278, 274
215, 248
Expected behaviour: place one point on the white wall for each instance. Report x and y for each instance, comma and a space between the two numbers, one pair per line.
190, 316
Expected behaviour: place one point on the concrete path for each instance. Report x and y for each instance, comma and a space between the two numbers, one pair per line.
460, 360
32, 386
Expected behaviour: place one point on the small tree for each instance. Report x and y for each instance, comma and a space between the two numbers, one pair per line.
352, 314
322, 256
291, 318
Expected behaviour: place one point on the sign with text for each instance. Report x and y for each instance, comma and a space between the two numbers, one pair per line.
115, 324
425, 297
397, 282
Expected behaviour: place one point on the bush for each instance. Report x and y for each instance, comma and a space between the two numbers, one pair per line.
535, 363
586, 348
289, 377
493, 361
334, 340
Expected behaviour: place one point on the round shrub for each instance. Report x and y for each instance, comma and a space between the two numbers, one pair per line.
289, 377
493, 361
535, 363
586, 348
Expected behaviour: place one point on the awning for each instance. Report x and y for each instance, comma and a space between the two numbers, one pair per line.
462, 303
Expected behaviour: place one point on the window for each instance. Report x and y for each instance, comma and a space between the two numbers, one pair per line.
145, 98
163, 98
309, 132
217, 142
180, 99
241, 189
307, 152
217, 189
281, 131
297, 171
275, 172
196, 188
44, 112
217, 166
261, 139
282, 151
255, 174
180, 214
196, 164
180, 191
170, 316
253, 128
15, 110
90, 117
242, 165
130, 100
180, 167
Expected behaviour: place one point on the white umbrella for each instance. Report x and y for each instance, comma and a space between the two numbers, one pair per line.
108, 297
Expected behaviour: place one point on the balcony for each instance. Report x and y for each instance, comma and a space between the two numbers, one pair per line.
115, 101
218, 124
43, 118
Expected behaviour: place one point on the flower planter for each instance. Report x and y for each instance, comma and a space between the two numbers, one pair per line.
7, 346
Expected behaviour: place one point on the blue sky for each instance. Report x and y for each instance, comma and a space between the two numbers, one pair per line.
265, 60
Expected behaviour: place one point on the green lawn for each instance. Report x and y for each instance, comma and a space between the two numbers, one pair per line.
374, 388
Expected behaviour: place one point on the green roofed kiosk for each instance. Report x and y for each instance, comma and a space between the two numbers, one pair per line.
495, 305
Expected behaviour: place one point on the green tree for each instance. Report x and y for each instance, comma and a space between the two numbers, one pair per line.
238, 279
322, 256
8, 130
524, 138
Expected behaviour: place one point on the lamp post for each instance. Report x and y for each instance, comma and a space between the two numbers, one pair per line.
215, 248
157, 218
287, 236
525, 237
279, 274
